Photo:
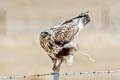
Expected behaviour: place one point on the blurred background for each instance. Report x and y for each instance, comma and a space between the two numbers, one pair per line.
21, 22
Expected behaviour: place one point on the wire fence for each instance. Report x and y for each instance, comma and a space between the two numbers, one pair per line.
60, 73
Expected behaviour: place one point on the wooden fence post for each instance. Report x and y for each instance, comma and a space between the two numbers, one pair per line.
56, 75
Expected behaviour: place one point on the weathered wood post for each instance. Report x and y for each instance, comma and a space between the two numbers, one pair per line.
56, 75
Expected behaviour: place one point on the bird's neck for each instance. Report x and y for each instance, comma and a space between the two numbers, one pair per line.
80, 24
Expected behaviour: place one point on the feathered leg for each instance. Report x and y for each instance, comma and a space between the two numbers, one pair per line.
54, 64
57, 64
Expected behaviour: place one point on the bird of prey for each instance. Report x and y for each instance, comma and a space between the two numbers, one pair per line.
58, 41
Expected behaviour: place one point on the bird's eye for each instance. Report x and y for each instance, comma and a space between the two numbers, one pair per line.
84, 15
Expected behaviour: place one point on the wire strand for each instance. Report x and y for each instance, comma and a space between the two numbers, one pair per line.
61, 73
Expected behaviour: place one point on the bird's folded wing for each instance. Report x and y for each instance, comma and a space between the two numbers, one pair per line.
65, 33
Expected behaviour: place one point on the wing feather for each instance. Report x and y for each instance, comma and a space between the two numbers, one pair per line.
65, 33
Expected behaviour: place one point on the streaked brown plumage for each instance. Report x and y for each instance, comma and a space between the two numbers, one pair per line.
58, 40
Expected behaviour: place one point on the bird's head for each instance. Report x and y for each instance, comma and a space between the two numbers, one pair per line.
45, 34
84, 18
80, 20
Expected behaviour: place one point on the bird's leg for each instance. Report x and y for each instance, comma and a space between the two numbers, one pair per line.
54, 64
59, 65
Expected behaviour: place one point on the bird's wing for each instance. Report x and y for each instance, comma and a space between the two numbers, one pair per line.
65, 32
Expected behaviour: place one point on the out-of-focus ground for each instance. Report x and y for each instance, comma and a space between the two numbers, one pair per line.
22, 20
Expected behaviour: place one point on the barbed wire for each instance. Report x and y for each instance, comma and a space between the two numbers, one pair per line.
61, 73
